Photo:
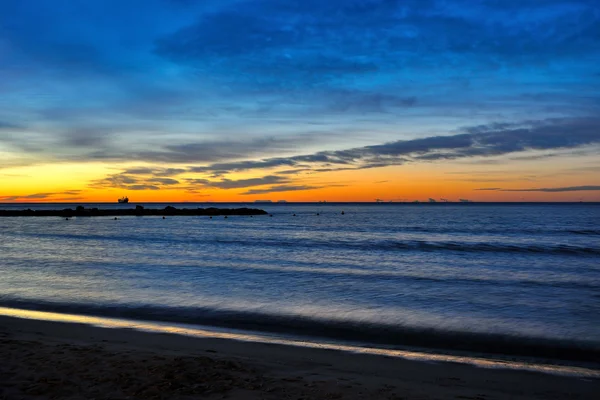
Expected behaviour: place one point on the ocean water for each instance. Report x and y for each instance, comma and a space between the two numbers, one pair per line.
503, 278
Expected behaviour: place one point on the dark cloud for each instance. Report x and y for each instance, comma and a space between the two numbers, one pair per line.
491, 189
38, 196
198, 181
476, 142
158, 172
556, 189
140, 171
489, 180
283, 188
293, 171
241, 183
140, 178
209, 151
595, 168
142, 182
128, 182
480, 141
121, 180
164, 181
86, 138
44, 196
142, 187
5, 125
245, 165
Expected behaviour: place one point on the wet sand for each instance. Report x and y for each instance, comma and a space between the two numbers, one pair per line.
43, 360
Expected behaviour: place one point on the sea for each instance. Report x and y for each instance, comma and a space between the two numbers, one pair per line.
520, 279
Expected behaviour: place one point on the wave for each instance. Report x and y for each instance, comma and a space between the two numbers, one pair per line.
585, 231
367, 245
485, 230
396, 336
397, 277
486, 247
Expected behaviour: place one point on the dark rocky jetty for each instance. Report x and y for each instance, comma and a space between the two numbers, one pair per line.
80, 211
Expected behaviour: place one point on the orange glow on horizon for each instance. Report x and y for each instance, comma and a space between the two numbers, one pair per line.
77, 183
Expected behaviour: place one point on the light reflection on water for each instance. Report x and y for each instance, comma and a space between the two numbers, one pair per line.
521, 272
213, 333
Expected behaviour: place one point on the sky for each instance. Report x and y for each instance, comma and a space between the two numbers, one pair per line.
299, 100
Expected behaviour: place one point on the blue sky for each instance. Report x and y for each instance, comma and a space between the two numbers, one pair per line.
199, 85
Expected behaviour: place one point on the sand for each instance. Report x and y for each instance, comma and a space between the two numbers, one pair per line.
54, 360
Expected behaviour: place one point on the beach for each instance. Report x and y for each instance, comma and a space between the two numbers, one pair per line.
299, 199
47, 359
488, 301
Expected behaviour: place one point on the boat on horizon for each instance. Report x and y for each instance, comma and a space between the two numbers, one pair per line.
123, 200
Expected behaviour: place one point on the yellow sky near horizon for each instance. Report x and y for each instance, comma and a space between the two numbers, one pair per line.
77, 182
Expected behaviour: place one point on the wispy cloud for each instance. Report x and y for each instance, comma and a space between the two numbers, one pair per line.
143, 187
70, 195
283, 188
164, 181
241, 183
158, 172
549, 190
480, 141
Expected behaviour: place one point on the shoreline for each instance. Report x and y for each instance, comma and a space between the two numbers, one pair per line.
90, 358
477, 359
423, 340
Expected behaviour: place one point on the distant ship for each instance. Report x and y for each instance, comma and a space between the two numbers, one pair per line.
124, 200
